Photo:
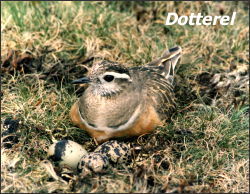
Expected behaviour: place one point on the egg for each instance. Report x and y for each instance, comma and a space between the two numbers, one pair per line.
66, 152
117, 152
93, 161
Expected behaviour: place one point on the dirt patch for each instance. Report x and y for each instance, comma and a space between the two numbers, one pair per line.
26, 63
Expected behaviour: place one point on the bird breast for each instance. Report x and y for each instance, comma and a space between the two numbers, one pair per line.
113, 113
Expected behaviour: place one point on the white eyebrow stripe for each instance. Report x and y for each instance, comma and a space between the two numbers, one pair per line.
117, 75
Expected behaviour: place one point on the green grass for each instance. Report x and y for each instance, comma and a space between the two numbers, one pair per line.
204, 147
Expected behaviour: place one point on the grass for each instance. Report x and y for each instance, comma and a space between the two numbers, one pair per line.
204, 147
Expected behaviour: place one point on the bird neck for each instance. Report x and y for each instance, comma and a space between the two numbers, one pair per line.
106, 92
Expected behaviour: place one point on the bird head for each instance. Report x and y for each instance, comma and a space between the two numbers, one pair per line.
106, 78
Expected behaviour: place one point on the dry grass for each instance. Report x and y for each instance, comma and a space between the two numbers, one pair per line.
205, 145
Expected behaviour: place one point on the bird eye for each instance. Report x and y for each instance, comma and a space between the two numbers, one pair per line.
108, 78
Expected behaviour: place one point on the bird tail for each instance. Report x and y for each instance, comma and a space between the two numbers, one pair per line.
167, 62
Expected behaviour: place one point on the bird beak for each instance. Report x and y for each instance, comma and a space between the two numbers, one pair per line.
83, 80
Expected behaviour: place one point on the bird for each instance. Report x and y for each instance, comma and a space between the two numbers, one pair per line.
122, 101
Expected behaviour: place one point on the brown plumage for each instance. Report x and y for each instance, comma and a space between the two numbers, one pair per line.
122, 101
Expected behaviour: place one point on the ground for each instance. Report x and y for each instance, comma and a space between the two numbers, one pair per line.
203, 147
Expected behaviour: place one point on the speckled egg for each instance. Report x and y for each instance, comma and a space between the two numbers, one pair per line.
93, 161
66, 152
117, 152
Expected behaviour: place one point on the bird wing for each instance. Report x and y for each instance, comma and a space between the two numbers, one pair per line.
157, 89
165, 65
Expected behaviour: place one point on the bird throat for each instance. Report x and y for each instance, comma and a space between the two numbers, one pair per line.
106, 92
